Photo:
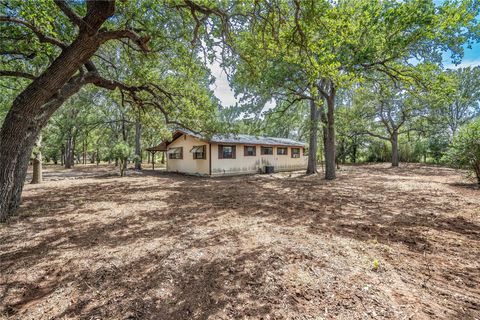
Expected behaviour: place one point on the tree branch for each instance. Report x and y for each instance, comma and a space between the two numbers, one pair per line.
40, 35
196, 6
71, 15
18, 74
97, 12
95, 78
157, 105
142, 42
26, 55
373, 135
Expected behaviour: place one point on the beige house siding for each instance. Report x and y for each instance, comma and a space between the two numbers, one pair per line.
240, 165
251, 164
188, 164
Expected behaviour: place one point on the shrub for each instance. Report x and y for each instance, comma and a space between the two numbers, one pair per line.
121, 151
465, 149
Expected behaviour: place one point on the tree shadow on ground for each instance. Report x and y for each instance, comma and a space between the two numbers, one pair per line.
194, 268
463, 185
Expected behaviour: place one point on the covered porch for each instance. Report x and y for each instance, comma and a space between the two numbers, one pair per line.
162, 148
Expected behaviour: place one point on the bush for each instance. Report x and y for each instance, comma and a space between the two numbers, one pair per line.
378, 151
437, 147
121, 151
465, 149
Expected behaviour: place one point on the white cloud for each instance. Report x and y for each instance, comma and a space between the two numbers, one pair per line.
221, 87
224, 92
464, 64
271, 104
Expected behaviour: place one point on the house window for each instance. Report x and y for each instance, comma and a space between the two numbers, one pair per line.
250, 151
266, 150
175, 153
199, 152
226, 152
295, 152
282, 151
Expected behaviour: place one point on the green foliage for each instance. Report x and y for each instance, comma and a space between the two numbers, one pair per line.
438, 145
378, 151
465, 148
173, 64
121, 150
291, 45
457, 101
311, 50
282, 50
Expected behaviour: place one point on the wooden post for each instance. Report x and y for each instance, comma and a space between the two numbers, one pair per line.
153, 160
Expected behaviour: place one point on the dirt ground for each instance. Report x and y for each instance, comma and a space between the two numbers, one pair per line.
377, 243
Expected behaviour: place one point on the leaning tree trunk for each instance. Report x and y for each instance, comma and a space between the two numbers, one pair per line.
18, 135
312, 151
394, 142
37, 175
32, 108
330, 140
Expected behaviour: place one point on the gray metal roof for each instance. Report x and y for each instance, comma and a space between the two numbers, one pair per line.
246, 139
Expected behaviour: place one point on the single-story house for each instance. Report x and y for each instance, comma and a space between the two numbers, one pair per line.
192, 153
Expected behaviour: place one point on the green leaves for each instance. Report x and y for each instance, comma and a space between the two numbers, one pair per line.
344, 41
121, 150
465, 149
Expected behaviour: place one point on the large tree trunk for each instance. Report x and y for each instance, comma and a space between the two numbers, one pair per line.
37, 175
394, 142
70, 152
138, 145
330, 140
17, 139
32, 108
323, 118
312, 151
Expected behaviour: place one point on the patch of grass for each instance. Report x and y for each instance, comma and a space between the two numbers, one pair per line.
375, 265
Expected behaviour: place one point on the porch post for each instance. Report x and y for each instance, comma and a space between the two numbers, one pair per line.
153, 160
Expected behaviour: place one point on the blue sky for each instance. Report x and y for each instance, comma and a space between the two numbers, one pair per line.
471, 57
